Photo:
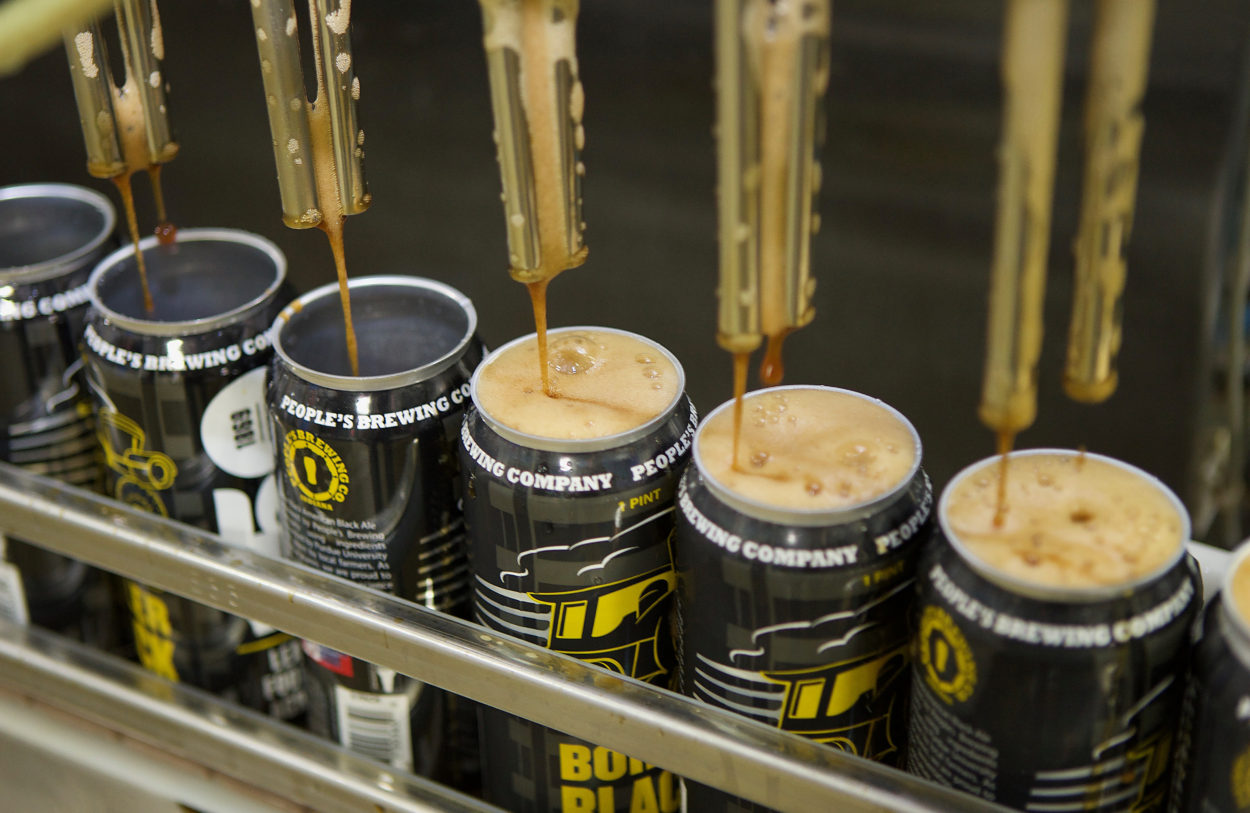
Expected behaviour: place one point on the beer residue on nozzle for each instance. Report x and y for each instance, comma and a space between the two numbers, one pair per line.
541, 34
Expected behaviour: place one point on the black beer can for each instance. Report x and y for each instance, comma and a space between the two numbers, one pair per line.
569, 546
1213, 772
180, 411
793, 607
51, 236
370, 491
1054, 693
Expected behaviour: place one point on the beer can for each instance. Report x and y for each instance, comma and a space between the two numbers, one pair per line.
180, 411
798, 617
1213, 771
51, 236
369, 491
569, 548
1053, 696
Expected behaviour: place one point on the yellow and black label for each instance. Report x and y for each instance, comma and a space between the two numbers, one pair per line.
945, 657
153, 634
141, 473
315, 469
593, 778
847, 705
615, 625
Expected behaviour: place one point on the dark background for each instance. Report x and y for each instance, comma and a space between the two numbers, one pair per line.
907, 206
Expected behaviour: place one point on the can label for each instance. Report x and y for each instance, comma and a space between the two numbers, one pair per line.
801, 628
570, 551
372, 497
46, 428
184, 431
1108, 673
1213, 771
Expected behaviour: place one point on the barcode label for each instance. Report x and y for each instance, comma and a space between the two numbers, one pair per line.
12, 596
375, 725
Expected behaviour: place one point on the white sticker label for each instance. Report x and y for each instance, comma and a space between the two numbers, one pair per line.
375, 725
235, 428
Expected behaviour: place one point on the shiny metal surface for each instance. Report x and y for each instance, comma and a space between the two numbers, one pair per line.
278, 762
778, 769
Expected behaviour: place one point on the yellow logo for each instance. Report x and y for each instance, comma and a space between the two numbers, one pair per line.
315, 469
1241, 779
945, 657
153, 632
616, 625
141, 473
847, 705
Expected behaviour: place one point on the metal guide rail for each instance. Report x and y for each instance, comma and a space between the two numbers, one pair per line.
743, 757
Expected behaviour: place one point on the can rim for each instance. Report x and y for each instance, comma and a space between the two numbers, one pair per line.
813, 516
153, 327
349, 383
1239, 641
70, 261
1074, 595
574, 445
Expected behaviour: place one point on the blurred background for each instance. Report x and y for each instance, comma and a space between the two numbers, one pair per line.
907, 206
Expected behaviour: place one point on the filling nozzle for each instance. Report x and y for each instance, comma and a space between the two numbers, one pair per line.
125, 127
1113, 132
537, 100
1032, 73
772, 70
318, 146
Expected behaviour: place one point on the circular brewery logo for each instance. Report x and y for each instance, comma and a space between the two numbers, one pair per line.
945, 656
314, 468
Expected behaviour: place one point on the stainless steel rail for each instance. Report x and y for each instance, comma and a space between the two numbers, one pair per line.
275, 760
748, 759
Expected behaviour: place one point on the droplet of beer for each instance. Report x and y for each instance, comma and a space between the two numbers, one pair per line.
1081, 516
643, 358
651, 372
759, 459
814, 487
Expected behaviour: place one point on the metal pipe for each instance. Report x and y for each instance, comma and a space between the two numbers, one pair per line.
746, 758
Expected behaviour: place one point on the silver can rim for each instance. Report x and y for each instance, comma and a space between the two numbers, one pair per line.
815, 517
349, 383
71, 261
577, 445
1067, 595
187, 327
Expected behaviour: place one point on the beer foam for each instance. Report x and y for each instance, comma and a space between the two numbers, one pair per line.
1239, 590
808, 449
1070, 521
605, 383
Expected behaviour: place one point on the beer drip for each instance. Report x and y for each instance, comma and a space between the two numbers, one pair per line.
772, 70
125, 127
318, 146
537, 100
